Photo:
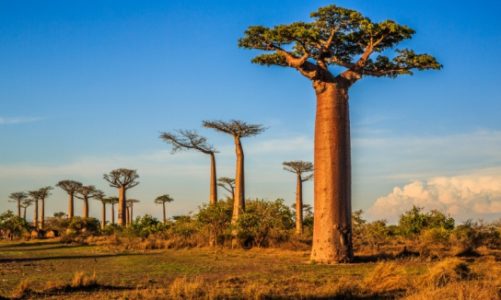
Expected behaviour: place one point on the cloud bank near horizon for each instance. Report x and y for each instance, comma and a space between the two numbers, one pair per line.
462, 197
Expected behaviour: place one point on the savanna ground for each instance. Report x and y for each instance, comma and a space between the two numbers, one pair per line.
52, 270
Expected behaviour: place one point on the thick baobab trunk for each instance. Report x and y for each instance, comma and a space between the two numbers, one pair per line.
86, 208
35, 217
42, 214
165, 218
213, 178
299, 205
113, 213
131, 216
239, 198
24, 213
332, 177
127, 216
122, 207
71, 209
103, 215
19, 208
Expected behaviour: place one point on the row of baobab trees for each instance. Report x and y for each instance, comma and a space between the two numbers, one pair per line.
125, 179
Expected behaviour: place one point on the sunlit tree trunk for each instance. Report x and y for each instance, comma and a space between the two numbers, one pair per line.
332, 176
122, 207
213, 180
35, 217
239, 198
299, 205
165, 218
71, 209
103, 215
86, 208
42, 214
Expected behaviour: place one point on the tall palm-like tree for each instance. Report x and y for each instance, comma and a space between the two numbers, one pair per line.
112, 201
334, 51
162, 200
228, 184
86, 193
130, 210
122, 179
18, 198
238, 130
101, 198
25, 204
191, 140
70, 187
301, 169
34, 195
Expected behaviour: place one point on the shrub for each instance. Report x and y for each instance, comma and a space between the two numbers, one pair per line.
12, 226
146, 225
413, 221
215, 220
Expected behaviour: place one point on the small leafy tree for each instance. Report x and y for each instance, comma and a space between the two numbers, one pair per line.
12, 226
216, 219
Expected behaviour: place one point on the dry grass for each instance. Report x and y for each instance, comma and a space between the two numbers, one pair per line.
82, 280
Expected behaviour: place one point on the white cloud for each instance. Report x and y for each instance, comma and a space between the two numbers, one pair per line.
473, 196
18, 120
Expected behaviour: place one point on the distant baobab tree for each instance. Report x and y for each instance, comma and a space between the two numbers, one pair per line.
101, 198
112, 201
347, 40
70, 187
228, 184
301, 169
86, 193
188, 139
18, 198
40, 195
162, 200
130, 210
237, 129
122, 179
25, 204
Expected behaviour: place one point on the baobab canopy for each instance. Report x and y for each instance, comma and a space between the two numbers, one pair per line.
341, 37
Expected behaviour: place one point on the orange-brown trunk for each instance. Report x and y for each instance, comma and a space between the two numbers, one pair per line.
19, 208
103, 215
113, 214
299, 205
165, 219
35, 218
239, 198
86, 208
332, 177
42, 214
213, 183
71, 210
122, 207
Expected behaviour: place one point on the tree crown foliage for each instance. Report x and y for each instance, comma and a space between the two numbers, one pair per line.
236, 128
18, 196
163, 199
41, 193
226, 183
187, 139
69, 186
299, 167
130, 202
339, 37
88, 192
122, 178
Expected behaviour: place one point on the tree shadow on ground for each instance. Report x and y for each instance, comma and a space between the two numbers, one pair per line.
28, 259
23, 244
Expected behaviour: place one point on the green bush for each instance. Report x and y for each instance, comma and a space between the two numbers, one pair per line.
413, 221
216, 221
146, 225
12, 226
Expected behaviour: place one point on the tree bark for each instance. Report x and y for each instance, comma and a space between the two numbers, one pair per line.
113, 213
332, 176
131, 214
35, 218
165, 219
213, 180
127, 216
24, 213
239, 197
19, 208
71, 210
42, 214
122, 207
86, 207
103, 215
299, 205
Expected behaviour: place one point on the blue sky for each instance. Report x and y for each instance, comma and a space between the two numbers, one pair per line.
86, 86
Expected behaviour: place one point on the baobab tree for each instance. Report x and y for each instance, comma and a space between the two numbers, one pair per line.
122, 179
25, 204
130, 210
228, 184
40, 195
191, 140
334, 51
112, 201
18, 198
162, 200
303, 170
101, 198
70, 187
237, 129
86, 193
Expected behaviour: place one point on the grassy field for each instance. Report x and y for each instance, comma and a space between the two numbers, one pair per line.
48, 268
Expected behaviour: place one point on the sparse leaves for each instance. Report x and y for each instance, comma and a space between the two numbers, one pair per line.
187, 139
122, 178
69, 186
163, 199
299, 167
235, 128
